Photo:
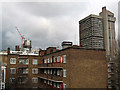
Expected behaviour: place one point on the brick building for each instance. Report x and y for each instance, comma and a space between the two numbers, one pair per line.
92, 65
22, 70
73, 67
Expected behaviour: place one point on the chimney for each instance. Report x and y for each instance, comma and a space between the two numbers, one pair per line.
17, 48
8, 51
104, 8
66, 44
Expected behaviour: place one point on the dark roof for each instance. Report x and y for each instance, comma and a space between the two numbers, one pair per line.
76, 47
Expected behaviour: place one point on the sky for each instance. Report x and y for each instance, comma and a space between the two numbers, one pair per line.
47, 23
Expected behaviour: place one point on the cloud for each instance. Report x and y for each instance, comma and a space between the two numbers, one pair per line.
46, 23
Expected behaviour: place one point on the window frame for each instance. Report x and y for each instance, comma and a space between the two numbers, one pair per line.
36, 80
34, 61
11, 69
36, 69
11, 61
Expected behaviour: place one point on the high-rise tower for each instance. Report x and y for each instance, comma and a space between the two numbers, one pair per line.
109, 31
99, 32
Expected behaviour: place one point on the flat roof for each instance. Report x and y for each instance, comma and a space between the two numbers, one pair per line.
91, 15
77, 47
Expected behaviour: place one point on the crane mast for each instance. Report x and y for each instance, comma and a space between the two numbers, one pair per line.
22, 37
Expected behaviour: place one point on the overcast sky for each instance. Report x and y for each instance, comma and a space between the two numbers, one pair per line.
47, 23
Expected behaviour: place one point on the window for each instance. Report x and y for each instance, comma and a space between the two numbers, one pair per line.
51, 60
58, 85
64, 72
51, 83
64, 58
58, 72
44, 81
64, 86
12, 70
48, 71
109, 86
22, 80
35, 71
27, 61
54, 84
12, 80
12, 60
58, 59
45, 61
34, 80
61, 59
24, 61
110, 75
48, 82
48, 60
25, 71
51, 71
55, 59
45, 71
110, 81
35, 61
110, 69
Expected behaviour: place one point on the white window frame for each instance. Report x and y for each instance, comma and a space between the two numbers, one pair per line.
64, 86
34, 78
64, 58
36, 70
11, 71
27, 62
58, 59
48, 60
12, 60
51, 60
35, 61
64, 72
45, 61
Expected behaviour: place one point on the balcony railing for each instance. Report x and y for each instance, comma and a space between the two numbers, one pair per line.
50, 65
22, 65
51, 77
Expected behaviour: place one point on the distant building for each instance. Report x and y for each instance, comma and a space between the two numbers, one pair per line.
3, 64
91, 32
109, 31
99, 32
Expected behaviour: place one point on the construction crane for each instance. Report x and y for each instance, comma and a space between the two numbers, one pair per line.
22, 37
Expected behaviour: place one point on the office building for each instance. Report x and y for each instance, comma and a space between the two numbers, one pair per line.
91, 32
99, 32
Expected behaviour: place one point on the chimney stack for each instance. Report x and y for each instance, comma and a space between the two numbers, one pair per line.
8, 51
17, 48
